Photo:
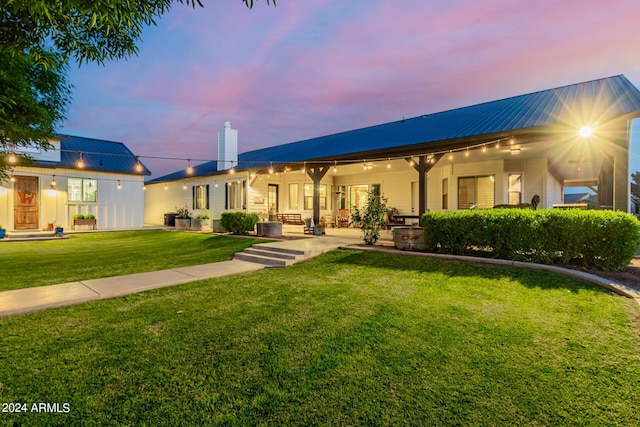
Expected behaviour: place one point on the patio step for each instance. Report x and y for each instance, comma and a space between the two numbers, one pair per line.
269, 256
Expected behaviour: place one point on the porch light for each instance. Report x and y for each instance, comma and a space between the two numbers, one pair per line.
12, 158
484, 148
515, 150
411, 162
119, 185
335, 166
12, 178
53, 182
388, 163
450, 155
497, 145
215, 184
586, 131
304, 168
189, 168
466, 153
270, 168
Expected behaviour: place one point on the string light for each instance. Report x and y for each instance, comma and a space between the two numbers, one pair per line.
53, 182
80, 163
12, 158
270, 168
189, 168
12, 178
335, 166
166, 186
450, 155
138, 165
411, 163
119, 185
484, 148
304, 167
389, 163
144, 187
466, 154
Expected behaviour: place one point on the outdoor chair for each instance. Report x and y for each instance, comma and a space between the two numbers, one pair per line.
343, 218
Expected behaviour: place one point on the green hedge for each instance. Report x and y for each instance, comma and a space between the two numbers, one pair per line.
602, 240
238, 222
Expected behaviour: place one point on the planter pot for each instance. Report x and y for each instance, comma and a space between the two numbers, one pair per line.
409, 238
216, 227
183, 224
3, 233
269, 229
318, 230
59, 231
201, 224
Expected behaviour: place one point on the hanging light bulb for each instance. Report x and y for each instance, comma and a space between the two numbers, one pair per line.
335, 166
232, 170
53, 182
497, 144
215, 184
144, 187
388, 163
12, 158
450, 155
466, 154
119, 186
166, 186
411, 163
484, 148
270, 168
364, 165
304, 168
80, 163
512, 141
138, 165
12, 179
189, 168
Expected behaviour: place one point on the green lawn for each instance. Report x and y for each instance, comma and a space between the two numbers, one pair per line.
95, 255
347, 338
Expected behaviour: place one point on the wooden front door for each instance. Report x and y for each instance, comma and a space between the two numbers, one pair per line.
25, 203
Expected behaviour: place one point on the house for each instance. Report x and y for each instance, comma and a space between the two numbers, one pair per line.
78, 176
500, 152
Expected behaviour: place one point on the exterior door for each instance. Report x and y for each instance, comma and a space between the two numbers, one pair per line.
272, 197
25, 203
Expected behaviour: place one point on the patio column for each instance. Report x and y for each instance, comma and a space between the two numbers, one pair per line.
423, 166
316, 173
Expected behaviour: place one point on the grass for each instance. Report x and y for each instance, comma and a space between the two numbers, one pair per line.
347, 338
95, 255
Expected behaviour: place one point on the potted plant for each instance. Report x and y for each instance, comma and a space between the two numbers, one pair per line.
318, 230
89, 219
3, 232
59, 231
202, 222
183, 220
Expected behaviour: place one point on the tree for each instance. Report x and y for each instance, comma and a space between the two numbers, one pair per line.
371, 218
37, 39
33, 100
89, 31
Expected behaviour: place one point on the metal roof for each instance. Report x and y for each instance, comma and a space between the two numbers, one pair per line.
610, 97
97, 155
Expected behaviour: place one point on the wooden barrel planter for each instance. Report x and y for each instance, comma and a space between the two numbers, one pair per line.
409, 238
269, 229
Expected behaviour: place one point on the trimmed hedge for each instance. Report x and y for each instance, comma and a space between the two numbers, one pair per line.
238, 222
602, 240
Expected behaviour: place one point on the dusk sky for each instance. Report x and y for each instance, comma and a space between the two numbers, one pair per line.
308, 68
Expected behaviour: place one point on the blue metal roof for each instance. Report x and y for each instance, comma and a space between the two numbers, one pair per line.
612, 97
97, 155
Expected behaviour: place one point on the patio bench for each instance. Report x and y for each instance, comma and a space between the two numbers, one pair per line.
295, 219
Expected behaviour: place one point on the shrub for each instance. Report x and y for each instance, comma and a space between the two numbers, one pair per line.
78, 216
90, 216
238, 222
603, 240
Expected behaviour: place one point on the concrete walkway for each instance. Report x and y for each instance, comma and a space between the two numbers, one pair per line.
39, 298
33, 299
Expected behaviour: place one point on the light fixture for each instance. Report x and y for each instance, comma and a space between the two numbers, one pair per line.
586, 131
144, 187
53, 182
166, 186
388, 163
270, 168
364, 165
119, 185
411, 163
80, 163
12, 178
189, 168
215, 184
232, 170
184, 186
497, 145
138, 165
484, 148
466, 153
12, 158
450, 155
515, 150
335, 166
512, 141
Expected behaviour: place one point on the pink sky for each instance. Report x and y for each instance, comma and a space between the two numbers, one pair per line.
314, 67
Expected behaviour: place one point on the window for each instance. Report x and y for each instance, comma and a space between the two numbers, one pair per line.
293, 197
342, 197
82, 190
358, 195
476, 192
235, 195
308, 196
200, 196
445, 193
515, 189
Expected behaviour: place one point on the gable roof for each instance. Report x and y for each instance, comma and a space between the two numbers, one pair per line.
97, 155
615, 96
